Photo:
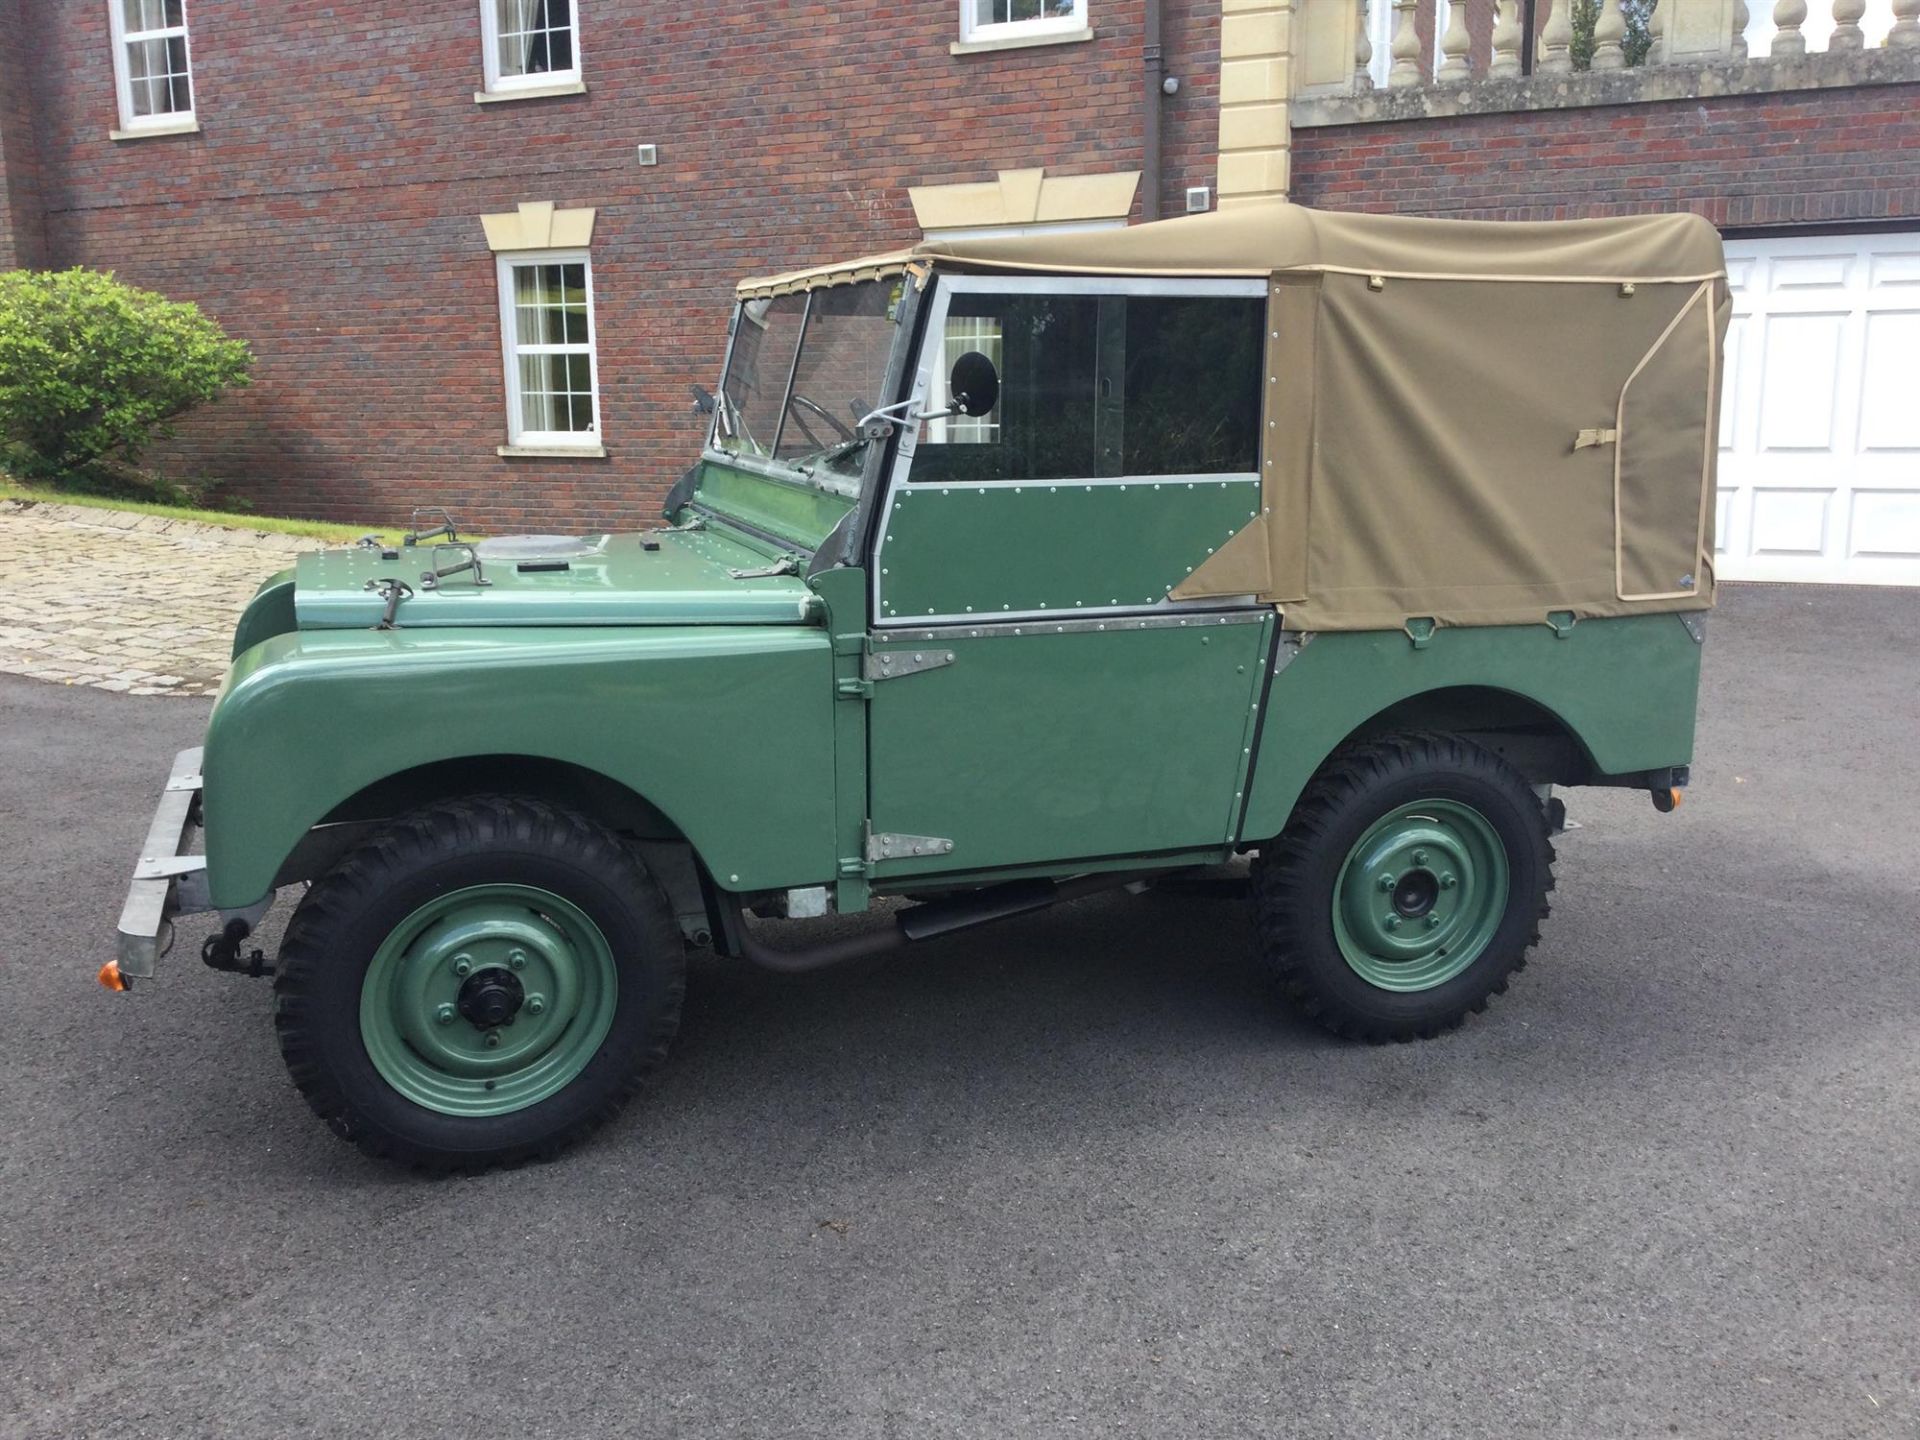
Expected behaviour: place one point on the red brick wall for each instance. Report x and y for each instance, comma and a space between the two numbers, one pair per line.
328, 211
1190, 119
20, 222
1801, 157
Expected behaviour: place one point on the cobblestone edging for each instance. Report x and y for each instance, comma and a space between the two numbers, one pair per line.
121, 601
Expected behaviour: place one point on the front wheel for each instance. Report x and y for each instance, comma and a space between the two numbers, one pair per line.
482, 983
1407, 888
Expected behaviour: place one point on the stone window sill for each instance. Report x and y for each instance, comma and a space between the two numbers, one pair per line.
551, 452
151, 132
530, 92
1020, 42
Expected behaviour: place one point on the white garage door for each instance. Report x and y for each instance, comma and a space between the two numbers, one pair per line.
1820, 414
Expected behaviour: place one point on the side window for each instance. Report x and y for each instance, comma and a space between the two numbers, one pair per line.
982, 20
529, 44
546, 313
151, 66
1098, 386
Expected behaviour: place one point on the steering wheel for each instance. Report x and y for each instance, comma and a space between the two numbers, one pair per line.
800, 403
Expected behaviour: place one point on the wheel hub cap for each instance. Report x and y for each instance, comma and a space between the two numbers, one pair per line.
491, 997
1421, 895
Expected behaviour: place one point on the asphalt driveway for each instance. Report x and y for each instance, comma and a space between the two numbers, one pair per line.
1071, 1176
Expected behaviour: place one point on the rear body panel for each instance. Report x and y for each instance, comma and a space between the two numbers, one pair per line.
1625, 688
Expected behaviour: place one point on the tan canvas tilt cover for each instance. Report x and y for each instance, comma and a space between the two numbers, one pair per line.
1476, 422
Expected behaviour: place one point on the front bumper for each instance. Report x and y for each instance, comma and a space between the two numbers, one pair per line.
166, 881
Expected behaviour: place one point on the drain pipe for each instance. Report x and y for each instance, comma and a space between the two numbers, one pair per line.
1153, 64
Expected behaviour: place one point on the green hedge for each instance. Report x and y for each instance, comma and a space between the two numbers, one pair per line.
92, 369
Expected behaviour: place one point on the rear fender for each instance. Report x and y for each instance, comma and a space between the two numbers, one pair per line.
1623, 690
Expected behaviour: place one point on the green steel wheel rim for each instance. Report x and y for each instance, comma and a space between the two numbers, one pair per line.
1421, 895
487, 1000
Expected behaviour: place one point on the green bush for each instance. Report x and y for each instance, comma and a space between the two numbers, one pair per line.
92, 369
1636, 43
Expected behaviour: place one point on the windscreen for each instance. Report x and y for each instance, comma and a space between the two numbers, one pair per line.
804, 369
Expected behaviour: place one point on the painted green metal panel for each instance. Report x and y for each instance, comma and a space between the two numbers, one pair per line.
791, 509
728, 730
1049, 747
1626, 688
269, 613
682, 581
1066, 545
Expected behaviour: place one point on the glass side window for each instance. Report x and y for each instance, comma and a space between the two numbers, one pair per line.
546, 311
1096, 386
529, 43
765, 337
152, 69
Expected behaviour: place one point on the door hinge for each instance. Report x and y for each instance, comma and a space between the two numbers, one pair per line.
884, 845
891, 664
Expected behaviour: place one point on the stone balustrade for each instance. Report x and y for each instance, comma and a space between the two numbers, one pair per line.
1405, 59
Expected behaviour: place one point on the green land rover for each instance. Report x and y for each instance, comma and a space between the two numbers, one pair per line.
1012, 569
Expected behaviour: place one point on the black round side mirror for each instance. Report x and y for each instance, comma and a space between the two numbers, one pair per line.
974, 384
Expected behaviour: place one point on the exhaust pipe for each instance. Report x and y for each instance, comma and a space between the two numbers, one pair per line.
926, 922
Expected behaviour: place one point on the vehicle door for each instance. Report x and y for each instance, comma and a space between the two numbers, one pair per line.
1040, 697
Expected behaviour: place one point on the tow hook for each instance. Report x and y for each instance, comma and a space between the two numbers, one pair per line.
222, 952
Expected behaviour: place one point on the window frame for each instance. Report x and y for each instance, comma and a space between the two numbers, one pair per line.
123, 73
494, 83
928, 353
974, 32
518, 437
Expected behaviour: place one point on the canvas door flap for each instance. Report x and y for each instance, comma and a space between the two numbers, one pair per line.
1664, 458
1242, 566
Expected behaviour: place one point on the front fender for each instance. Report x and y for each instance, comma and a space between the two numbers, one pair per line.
727, 730
1625, 688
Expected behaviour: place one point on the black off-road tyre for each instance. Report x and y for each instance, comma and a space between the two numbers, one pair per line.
424, 860
1304, 876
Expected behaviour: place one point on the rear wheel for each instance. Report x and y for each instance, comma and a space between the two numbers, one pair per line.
483, 983
1406, 889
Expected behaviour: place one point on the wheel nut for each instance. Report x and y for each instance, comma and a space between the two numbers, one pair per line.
1387, 882
1433, 922
446, 1015
536, 1004
1447, 881
517, 959
1419, 857
463, 964
493, 1039
1393, 922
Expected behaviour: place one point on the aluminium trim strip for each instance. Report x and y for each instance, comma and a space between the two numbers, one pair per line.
959, 628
